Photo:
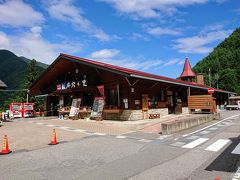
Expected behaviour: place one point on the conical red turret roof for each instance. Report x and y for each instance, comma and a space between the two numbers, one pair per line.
187, 70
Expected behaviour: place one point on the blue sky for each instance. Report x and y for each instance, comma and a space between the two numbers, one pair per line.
153, 36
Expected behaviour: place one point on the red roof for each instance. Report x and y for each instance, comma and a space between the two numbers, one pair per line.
139, 74
187, 70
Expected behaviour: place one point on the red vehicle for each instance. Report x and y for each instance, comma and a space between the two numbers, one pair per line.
16, 109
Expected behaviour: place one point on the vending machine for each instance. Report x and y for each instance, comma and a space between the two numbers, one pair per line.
28, 109
16, 109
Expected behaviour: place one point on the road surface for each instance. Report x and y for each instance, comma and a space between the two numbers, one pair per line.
201, 153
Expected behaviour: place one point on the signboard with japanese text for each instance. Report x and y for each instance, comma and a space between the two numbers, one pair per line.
72, 84
75, 107
97, 108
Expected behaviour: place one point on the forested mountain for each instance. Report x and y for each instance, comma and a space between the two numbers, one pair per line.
15, 72
13, 69
223, 64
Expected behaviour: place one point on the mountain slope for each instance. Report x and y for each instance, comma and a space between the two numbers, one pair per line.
45, 66
13, 69
224, 64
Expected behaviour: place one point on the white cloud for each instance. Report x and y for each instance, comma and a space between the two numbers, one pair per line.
201, 43
180, 62
171, 62
158, 31
32, 45
136, 63
4, 41
104, 54
114, 56
150, 8
65, 10
19, 14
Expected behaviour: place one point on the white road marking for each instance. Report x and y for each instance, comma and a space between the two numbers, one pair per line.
63, 127
145, 140
210, 125
121, 137
237, 149
195, 143
237, 174
216, 146
79, 130
99, 134
40, 123
50, 125
163, 137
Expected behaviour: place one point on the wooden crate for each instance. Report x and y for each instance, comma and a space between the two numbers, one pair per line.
204, 102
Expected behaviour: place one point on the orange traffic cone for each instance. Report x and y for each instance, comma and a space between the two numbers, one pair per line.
54, 138
5, 148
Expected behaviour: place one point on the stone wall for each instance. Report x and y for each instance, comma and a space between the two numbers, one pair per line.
185, 110
132, 115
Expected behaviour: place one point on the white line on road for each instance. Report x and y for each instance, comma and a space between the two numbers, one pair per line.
40, 123
216, 146
210, 125
50, 125
237, 174
163, 136
99, 134
236, 150
195, 143
121, 137
145, 140
63, 127
79, 130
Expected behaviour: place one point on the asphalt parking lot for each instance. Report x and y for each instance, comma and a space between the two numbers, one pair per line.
24, 136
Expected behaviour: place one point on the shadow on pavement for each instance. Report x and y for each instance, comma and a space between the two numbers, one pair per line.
226, 161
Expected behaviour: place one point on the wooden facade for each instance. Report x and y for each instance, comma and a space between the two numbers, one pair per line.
129, 94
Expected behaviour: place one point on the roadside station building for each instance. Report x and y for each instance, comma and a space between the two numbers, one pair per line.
129, 94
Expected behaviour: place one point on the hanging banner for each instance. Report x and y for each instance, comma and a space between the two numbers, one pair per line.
97, 108
101, 90
75, 107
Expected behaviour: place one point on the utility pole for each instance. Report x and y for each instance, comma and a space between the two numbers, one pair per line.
217, 78
209, 74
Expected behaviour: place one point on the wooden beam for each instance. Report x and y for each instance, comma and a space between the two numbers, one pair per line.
154, 84
100, 75
189, 91
135, 82
128, 81
168, 87
118, 95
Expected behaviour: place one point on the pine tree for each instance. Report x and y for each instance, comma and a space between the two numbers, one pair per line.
31, 73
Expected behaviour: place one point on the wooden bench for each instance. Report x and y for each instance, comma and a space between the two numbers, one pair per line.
154, 116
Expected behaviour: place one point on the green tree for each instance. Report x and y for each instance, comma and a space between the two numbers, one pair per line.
224, 64
228, 79
31, 73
